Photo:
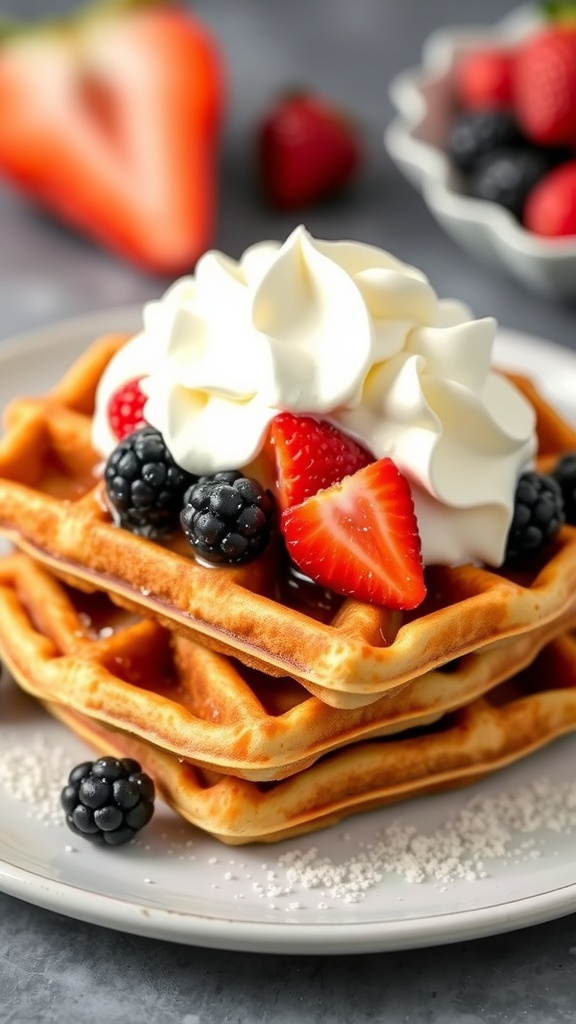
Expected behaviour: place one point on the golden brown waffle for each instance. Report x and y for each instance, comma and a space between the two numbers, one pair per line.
344, 652
510, 722
84, 654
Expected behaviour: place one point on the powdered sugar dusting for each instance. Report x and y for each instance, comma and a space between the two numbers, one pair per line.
35, 775
512, 826
484, 829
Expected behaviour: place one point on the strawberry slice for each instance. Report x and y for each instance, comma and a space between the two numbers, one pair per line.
111, 121
360, 538
126, 409
311, 454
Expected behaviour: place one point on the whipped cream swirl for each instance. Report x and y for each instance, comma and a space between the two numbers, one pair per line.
348, 333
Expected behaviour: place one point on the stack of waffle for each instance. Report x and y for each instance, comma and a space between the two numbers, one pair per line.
263, 707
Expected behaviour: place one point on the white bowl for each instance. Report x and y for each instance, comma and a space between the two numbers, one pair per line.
416, 141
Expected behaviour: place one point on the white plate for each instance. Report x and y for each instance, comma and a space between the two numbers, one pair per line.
177, 884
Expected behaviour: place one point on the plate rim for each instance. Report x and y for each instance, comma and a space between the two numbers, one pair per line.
285, 938
39, 337
226, 932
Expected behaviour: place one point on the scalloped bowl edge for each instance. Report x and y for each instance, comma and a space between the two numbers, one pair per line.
484, 229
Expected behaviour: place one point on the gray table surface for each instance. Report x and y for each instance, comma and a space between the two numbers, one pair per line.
60, 971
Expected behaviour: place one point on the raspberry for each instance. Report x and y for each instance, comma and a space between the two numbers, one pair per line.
538, 515
144, 485
108, 801
227, 517
126, 409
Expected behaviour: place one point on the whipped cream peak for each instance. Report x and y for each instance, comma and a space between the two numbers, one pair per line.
346, 332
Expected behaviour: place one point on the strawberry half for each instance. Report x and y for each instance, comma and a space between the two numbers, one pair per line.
111, 121
126, 409
311, 454
360, 538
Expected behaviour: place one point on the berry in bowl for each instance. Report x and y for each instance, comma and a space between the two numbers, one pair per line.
486, 129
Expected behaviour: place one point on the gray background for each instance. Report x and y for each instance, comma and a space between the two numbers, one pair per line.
58, 971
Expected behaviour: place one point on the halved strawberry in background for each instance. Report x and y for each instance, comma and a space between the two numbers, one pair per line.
311, 454
360, 538
110, 120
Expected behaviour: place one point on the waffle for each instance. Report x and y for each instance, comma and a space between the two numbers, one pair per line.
510, 722
346, 653
87, 656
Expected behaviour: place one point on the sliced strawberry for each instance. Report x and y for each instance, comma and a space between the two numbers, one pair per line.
360, 538
311, 454
111, 121
126, 409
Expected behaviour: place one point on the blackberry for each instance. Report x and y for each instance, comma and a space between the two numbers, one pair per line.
144, 485
476, 133
506, 177
564, 473
227, 517
538, 515
108, 801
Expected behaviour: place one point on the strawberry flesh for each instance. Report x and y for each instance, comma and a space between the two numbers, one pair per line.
310, 455
360, 538
111, 121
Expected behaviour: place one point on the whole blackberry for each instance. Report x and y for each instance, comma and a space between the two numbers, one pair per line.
564, 473
475, 133
227, 517
108, 801
538, 515
144, 485
506, 176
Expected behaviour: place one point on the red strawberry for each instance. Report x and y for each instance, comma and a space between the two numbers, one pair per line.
306, 150
545, 86
311, 454
483, 79
550, 209
110, 120
360, 538
126, 409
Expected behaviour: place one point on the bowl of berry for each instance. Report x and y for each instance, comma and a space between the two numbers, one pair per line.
486, 130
